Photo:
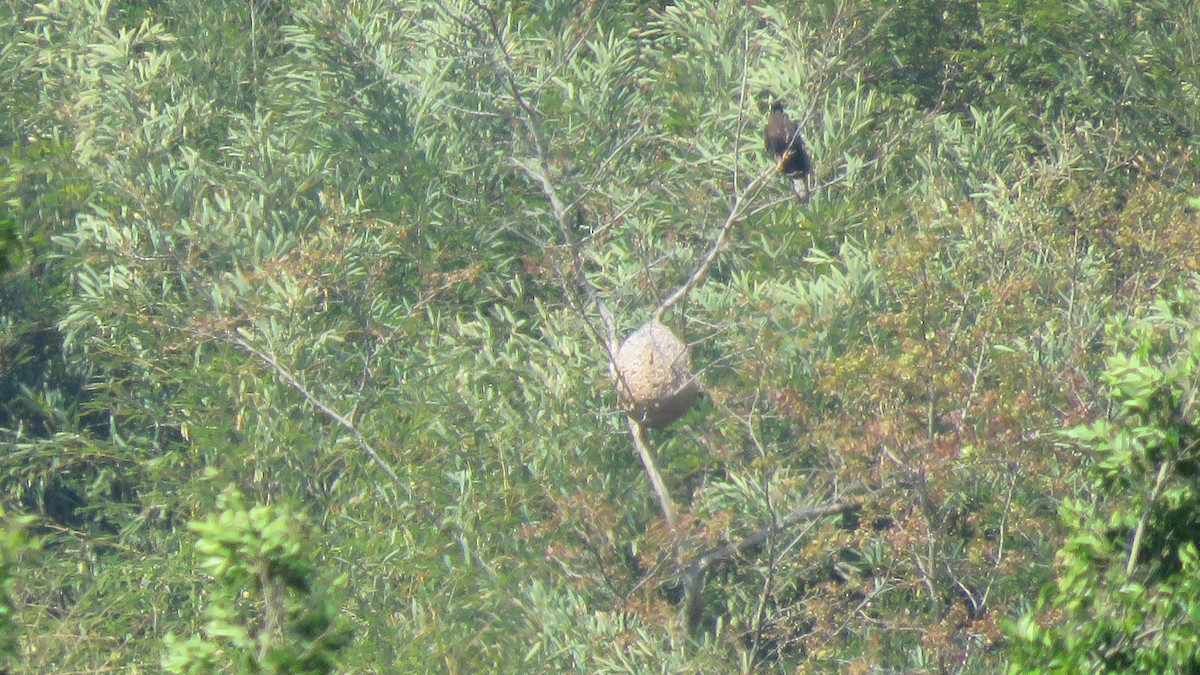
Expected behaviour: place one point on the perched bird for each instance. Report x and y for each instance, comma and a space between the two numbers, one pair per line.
785, 143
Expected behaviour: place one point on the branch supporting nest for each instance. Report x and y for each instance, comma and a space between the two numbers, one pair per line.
656, 481
692, 577
608, 333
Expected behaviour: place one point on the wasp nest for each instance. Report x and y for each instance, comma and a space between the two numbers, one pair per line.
657, 385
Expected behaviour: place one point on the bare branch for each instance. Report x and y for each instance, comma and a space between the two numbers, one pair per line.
656, 482
539, 171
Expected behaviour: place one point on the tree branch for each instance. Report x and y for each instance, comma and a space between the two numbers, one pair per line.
611, 336
692, 576
446, 530
1138, 534
736, 215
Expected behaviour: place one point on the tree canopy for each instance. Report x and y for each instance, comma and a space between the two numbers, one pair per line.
309, 314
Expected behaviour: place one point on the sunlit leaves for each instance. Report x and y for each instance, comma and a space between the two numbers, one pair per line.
270, 612
1125, 597
14, 543
292, 229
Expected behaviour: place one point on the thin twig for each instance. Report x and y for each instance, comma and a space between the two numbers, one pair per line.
1135, 548
365, 445
736, 215
692, 576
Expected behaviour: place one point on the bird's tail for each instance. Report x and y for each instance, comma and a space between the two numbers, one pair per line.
801, 189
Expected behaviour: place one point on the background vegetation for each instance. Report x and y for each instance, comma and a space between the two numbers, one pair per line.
366, 261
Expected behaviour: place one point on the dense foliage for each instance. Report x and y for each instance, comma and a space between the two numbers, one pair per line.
270, 612
1127, 597
369, 262
14, 543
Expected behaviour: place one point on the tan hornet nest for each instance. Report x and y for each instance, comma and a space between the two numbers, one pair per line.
656, 383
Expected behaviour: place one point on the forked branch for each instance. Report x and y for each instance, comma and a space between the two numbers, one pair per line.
692, 576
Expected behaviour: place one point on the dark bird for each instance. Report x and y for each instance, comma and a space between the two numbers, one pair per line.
785, 143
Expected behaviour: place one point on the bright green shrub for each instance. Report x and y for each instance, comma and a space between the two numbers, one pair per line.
14, 541
1127, 593
269, 611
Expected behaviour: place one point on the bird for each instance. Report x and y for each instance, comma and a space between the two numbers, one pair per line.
785, 143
